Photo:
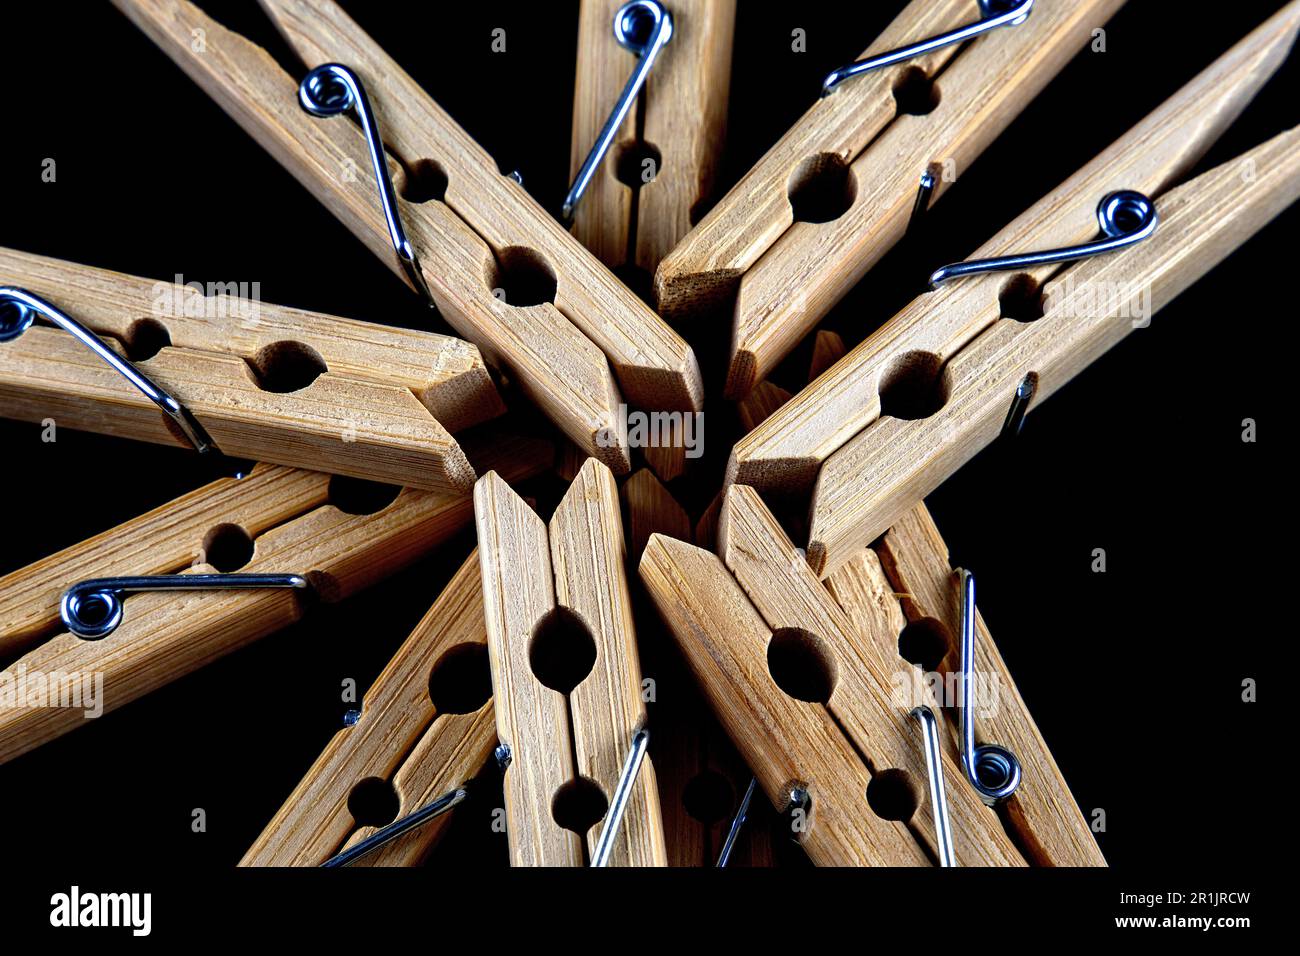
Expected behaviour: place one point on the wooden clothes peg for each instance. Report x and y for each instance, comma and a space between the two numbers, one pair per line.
279, 521
836, 725
788, 265
701, 778
570, 320
266, 382
554, 744
678, 125
912, 560
954, 348
415, 731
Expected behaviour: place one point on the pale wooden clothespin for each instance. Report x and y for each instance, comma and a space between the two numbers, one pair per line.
646, 193
536, 580
266, 382
274, 520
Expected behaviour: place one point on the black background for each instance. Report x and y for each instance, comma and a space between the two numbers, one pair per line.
1134, 676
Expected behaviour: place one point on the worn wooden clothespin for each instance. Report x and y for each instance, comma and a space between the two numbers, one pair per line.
193, 560
840, 188
919, 397
261, 381
559, 319
638, 182
425, 728
811, 686
555, 602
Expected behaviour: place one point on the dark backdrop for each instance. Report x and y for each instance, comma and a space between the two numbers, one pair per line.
1134, 675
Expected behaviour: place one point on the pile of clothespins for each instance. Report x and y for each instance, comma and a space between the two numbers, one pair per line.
792, 606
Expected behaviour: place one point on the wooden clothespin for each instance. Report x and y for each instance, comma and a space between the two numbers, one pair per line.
629, 213
543, 589
859, 431
263, 382
812, 690
702, 780
275, 522
569, 322
425, 728
839, 189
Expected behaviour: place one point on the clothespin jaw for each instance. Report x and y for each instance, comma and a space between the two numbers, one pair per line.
558, 618
249, 378
920, 372
503, 273
272, 520
660, 159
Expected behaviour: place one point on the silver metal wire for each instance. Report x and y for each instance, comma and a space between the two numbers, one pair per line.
994, 14
331, 90
94, 608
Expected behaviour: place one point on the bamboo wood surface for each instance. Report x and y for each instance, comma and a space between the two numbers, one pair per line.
684, 115
694, 760
813, 265
346, 426
1042, 813
532, 719
401, 737
165, 635
785, 454
164, 541
873, 480
862, 660
554, 364
606, 707
446, 374
787, 742
704, 269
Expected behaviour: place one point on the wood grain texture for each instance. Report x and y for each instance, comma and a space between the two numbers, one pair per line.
445, 373
874, 479
1042, 813
165, 635
785, 454
606, 707
862, 660
813, 265
401, 737
532, 719
165, 540
655, 367
704, 269
345, 426
787, 742
557, 366
683, 113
